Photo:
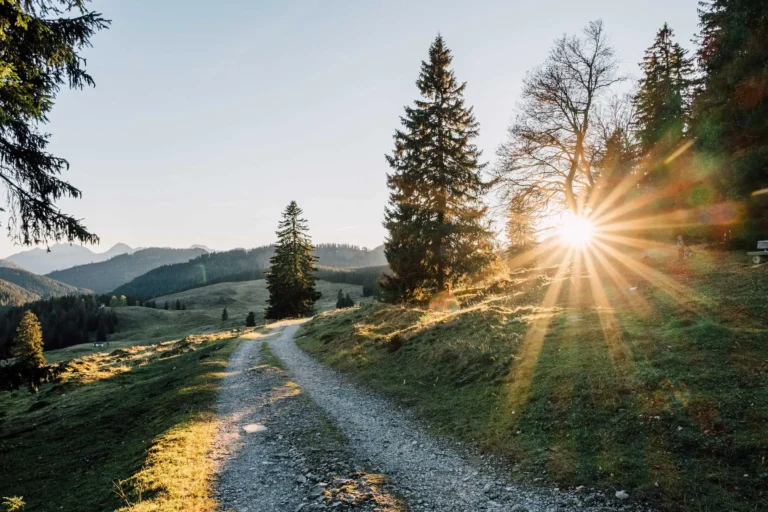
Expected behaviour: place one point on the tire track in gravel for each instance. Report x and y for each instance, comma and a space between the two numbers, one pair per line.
276, 451
433, 474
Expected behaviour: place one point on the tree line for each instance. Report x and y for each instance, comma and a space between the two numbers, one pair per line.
64, 321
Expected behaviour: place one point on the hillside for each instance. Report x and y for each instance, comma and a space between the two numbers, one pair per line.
651, 378
237, 265
61, 256
107, 275
141, 325
14, 295
32, 286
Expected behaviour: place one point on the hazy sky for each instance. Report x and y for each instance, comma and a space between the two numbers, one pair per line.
209, 117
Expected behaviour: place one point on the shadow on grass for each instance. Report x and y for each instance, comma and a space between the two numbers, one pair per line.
669, 403
71, 454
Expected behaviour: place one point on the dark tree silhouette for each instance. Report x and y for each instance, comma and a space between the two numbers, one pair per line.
250, 320
291, 278
435, 217
41, 45
224, 315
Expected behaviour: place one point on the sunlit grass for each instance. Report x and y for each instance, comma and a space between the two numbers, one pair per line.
602, 372
128, 429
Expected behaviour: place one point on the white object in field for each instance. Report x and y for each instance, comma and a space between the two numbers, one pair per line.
254, 428
761, 254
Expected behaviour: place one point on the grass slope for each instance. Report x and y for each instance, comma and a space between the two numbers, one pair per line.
139, 325
128, 430
661, 390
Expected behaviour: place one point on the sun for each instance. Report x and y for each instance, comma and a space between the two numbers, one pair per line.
576, 231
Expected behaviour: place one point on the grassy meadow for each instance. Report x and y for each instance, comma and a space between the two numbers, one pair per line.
128, 427
652, 379
140, 326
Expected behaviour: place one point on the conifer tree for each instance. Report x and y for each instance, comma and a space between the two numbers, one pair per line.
250, 320
731, 107
435, 217
28, 349
291, 278
663, 100
41, 52
348, 301
166, 307
662, 106
224, 315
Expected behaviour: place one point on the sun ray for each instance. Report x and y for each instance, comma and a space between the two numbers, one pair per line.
683, 295
521, 375
633, 205
636, 300
617, 349
634, 242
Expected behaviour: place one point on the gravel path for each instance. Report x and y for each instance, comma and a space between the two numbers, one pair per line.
432, 474
276, 450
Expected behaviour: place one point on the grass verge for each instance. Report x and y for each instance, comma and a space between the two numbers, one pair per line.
127, 430
655, 386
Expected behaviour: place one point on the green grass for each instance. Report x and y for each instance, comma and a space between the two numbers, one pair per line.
128, 421
667, 385
141, 326
129, 427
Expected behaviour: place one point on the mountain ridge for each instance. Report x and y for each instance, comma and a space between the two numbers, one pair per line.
60, 256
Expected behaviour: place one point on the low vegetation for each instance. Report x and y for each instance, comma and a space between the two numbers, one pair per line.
663, 393
203, 315
129, 429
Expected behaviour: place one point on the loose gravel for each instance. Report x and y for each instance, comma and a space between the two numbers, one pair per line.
432, 474
276, 450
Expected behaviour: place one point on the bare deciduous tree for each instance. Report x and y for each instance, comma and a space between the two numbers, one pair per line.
554, 141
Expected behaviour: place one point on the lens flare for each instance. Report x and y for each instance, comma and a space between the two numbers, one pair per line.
576, 231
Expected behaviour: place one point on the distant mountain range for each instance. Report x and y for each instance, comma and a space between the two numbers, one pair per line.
61, 256
18, 286
105, 276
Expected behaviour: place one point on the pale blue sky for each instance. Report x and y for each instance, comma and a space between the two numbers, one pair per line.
209, 117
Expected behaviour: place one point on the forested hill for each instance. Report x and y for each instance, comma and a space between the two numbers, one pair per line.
14, 295
17, 286
107, 275
238, 265
346, 256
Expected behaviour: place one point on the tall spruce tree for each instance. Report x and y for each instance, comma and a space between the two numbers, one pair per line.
435, 217
731, 107
291, 278
28, 349
663, 100
662, 106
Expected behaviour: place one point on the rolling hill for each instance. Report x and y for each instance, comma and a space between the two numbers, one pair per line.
107, 275
239, 265
14, 295
18, 286
41, 261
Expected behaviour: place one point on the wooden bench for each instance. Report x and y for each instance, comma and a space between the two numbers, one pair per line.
761, 254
